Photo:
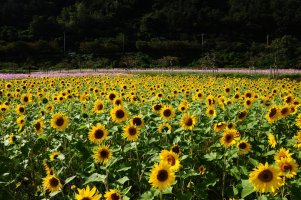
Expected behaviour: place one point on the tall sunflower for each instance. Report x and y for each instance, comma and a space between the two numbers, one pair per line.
21, 121
241, 115
131, 132
112, 195
188, 121
210, 111
265, 178
282, 153
229, 137
119, 114
272, 140
288, 167
98, 107
54, 155
39, 125
244, 147
20, 109
157, 107
59, 121
219, 126
164, 128
102, 154
51, 183
137, 121
161, 176
167, 112
98, 133
171, 158
87, 194
273, 114
26, 98
176, 149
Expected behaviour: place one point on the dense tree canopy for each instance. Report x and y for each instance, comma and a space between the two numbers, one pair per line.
232, 32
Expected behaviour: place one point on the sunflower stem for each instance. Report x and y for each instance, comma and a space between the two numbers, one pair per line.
161, 195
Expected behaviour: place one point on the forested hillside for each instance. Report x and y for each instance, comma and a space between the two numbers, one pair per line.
134, 33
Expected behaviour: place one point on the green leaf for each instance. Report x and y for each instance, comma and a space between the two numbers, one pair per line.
52, 194
124, 169
167, 191
254, 162
123, 180
126, 190
149, 195
69, 179
247, 188
187, 196
95, 178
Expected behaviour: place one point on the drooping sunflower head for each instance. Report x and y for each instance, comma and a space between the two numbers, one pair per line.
21, 121
243, 147
265, 178
161, 176
219, 126
167, 112
188, 121
273, 114
131, 132
52, 183
59, 121
284, 111
164, 128
137, 121
171, 158
54, 155
102, 154
176, 149
272, 140
12, 138
112, 194
157, 107
87, 194
98, 133
288, 167
98, 107
241, 115
229, 138
119, 114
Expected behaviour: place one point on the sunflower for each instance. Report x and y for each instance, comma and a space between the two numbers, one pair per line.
219, 126
54, 155
176, 149
265, 178
288, 167
210, 111
282, 153
244, 147
118, 101
229, 138
12, 138
21, 121
188, 121
157, 107
273, 114
182, 107
202, 169
26, 98
102, 154
52, 183
131, 132
112, 95
284, 111
112, 195
272, 140
297, 139
230, 125
171, 158
20, 109
47, 168
167, 112
241, 115
298, 120
87, 194
248, 103
59, 121
98, 133
98, 107
119, 114
161, 176
39, 125
164, 128
137, 121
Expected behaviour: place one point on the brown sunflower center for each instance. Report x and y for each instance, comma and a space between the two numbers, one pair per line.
25, 99
288, 100
284, 111
98, 134
104, 153
229, 138
248, 102
157, 107
241, 115
112, 97
162, 175
265, 176
115, 196
286, 168
137, 121
118, 102
38, 126
188, 122
171, 160
99, 107
227, 90
54, 182
175, 149
167, 113
242, 145
120, 114
182, 108
86, 198
60, 121
273, 112
230, 126
211, 112
132, 131
21, 109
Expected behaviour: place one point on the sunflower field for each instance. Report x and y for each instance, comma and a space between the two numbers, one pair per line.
150, 137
